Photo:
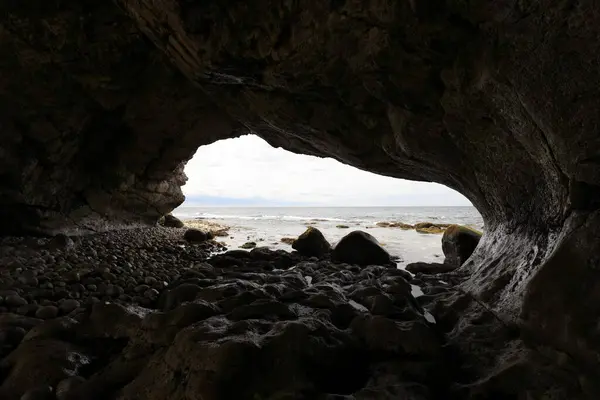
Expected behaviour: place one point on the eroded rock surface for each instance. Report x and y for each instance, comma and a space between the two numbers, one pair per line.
498, 100
360, 248
312, 242
458, 243
238, 330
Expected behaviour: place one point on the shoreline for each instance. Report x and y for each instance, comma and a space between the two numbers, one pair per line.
148, 286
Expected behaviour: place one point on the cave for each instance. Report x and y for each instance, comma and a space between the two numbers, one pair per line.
104, 102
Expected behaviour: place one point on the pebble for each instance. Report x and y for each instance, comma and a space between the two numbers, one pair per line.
109, 276
46, 312
78, 287
150, 280
28, 278
69, 305
15, 300
39, 393
67, 385
6, 293
113, 266
141, 288
72, 276
114, 290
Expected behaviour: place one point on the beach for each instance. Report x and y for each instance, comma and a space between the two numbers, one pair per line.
268, 226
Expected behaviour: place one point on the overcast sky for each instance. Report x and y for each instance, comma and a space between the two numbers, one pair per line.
248, 171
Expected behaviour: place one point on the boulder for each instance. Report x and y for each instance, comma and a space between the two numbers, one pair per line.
288, 240
248, 245
360, 248
194, 235
430, 227
400, 225
429, 268
458, 243
61, 242
171, 221
312, 243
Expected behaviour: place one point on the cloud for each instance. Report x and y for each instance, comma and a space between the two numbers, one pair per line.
249, 168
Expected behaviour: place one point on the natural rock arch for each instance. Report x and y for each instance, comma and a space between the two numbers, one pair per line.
102, 103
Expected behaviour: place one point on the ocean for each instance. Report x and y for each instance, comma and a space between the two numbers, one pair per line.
268, 225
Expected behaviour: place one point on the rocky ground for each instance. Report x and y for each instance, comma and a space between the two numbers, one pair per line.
143, 314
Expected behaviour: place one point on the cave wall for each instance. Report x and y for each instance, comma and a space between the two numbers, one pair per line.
95, 125
103, 102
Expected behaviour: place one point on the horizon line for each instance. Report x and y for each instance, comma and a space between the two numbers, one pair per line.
312, 206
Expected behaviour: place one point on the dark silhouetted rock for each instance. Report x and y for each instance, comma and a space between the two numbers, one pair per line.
288, 240
171, 221
429, 268
193, 235
61, 242
458, 243
360, 248
312, 243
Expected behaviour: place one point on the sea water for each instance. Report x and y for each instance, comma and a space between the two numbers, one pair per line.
267, 225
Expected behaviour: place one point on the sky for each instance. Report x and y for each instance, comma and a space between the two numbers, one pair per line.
247, 171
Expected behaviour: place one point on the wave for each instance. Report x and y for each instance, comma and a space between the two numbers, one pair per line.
269, 217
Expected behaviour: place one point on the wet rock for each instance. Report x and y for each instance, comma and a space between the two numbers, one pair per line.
458, 243
312, 243
46, 312
67, 386
287, 240
429, 268
400, 225
15, 300
360, 248
69, 305
39, 393
29, 278
178, 295
40, 362
61, 242
193, 235
171, 221
407, 337
248, 245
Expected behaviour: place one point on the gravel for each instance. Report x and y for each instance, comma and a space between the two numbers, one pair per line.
47, 278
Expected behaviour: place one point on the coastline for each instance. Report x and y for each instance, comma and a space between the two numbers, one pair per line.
417, 242
149, 286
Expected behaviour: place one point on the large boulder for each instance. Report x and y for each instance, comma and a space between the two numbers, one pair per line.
193, 235
170, 221
458, 243
360, 248
429, 268
312, 243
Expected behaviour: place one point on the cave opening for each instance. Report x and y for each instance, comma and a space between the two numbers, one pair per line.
267, 196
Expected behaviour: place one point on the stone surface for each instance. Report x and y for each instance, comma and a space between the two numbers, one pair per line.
171, 221
497, 100
311, 243
195, 235
458, 243
360, 248
227, 325
429, 268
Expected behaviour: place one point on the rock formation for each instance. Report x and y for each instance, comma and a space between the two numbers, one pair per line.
103, 102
